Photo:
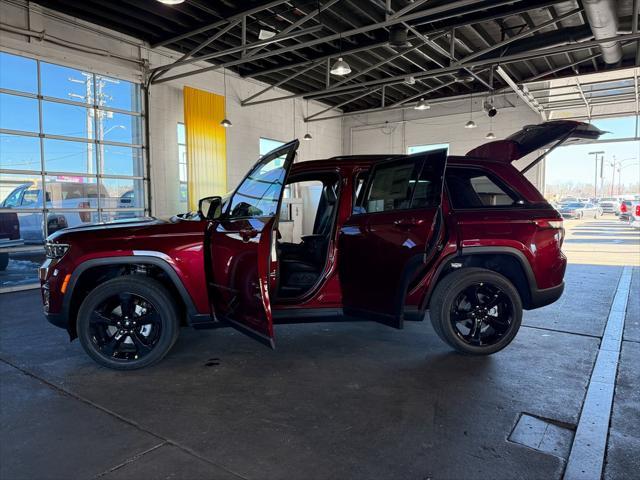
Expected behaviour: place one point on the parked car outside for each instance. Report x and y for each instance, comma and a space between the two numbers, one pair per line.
9, 236
610, 205
630, 213
467, 238
564, 200
62, 196
580, 210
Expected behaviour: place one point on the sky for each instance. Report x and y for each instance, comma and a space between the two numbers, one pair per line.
574, 164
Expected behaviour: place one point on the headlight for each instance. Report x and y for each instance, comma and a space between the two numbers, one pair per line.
55, 250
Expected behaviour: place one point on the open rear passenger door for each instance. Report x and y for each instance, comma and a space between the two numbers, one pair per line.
242, 262
391, 236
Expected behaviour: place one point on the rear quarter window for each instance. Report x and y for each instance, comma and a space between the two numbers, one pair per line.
476, 188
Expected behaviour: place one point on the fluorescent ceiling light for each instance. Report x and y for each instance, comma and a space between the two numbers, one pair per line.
266, 34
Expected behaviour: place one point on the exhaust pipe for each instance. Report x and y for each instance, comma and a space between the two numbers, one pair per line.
603, 20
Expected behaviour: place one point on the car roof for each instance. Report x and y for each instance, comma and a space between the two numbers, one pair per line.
352, 161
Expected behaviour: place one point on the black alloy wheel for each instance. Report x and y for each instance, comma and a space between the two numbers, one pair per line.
476, 311
125, 326
128, 322
481, 314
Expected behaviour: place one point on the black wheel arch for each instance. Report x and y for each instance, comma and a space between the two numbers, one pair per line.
92, 272
507, 261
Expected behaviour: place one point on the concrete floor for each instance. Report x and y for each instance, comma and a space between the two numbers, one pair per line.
334, 401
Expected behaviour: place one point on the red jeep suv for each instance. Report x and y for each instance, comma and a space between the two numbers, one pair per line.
370, 237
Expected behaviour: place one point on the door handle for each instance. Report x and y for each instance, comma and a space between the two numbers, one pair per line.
248, 233
406, 223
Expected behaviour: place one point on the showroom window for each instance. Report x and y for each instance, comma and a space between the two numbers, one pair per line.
426, 148
70, 153
182, 166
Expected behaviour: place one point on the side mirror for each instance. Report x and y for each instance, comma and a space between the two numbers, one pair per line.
209, 207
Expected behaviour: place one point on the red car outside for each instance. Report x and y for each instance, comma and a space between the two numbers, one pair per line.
467, 238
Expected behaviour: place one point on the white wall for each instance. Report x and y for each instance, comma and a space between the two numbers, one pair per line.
443, 123
83, 45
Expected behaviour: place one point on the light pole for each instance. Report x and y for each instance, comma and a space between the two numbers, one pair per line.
620, 168
595, 180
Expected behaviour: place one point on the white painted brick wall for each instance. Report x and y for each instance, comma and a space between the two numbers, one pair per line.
440, 124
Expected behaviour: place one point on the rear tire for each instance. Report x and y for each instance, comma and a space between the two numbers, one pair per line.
128, 323
476, 311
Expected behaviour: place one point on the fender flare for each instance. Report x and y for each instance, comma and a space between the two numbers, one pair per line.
193, 317
476, 251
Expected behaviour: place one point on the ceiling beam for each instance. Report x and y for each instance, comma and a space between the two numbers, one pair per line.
467, 62
531, 102
312, 14
336, 36
455, 97
219, 23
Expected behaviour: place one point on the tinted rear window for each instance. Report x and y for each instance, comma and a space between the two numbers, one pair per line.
474, 188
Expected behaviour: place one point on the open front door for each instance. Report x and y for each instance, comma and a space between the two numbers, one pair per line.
241, 244
387, 243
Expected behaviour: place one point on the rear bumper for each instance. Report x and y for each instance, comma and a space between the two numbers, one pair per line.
545, 296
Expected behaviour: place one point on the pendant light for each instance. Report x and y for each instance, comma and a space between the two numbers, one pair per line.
307, 136
226, 123
422, 105
340, 68
171, 2
490, 135
470, 123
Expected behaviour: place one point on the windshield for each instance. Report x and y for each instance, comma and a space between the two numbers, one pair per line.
574, 205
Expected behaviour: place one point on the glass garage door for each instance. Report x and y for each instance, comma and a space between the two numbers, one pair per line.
70, 153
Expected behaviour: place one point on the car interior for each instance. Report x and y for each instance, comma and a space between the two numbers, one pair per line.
303, 255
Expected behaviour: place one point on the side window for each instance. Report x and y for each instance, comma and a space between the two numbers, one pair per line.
428, 187
259, 193
30, 197
391, 187
471, 188
359, 181
13, 200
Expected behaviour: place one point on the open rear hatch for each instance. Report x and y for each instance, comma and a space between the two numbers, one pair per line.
547, 135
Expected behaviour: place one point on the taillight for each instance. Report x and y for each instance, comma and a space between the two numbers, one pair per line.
84, 216
557, 225
623, 208
638, 210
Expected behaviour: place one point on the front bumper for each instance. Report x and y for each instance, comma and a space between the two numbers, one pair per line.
11, 243
52, 276
58, 319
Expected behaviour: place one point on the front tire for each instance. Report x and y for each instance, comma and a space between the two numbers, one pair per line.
476, 311
4, 261
128, 323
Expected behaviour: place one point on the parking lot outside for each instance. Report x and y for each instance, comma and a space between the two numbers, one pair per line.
353, 400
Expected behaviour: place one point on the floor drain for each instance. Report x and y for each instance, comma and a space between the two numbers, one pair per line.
543, 435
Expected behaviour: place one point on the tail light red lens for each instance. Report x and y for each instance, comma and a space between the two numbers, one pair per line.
84, 216
557, 225
638, 210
